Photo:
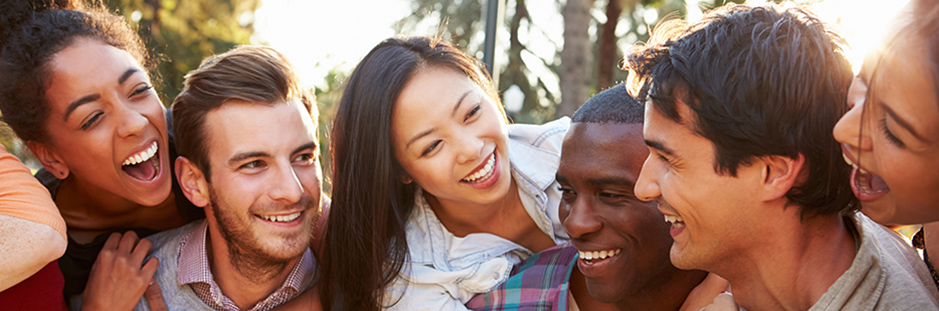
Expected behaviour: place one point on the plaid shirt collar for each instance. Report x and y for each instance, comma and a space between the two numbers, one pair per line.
194, 270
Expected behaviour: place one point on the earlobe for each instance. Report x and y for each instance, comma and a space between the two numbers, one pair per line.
192, 182
780, 174
49, 158
406, 179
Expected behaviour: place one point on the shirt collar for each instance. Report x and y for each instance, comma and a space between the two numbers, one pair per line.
193, 262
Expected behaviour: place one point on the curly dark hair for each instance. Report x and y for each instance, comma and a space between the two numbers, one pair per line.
31, 33
759, 81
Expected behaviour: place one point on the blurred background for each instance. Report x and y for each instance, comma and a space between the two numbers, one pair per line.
549, 55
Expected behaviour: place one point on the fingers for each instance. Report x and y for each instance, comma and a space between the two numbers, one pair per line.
155, 296
128, 241
112, 241
150, 267
119, 277
141, 250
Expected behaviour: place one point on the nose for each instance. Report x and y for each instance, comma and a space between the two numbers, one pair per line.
647, 186
469, 149
848, 129
286, 186
132, 122
582, 219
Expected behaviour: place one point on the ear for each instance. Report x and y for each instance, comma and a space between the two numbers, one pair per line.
51, 160
406, 179
192, 182
780, 174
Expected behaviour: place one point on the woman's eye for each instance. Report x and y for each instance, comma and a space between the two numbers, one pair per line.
472, 112
430, 148
91, 121
890, 136
141, 90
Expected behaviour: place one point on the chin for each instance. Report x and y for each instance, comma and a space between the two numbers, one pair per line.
881, 211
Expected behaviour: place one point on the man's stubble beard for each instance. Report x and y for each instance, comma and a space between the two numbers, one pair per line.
246, 254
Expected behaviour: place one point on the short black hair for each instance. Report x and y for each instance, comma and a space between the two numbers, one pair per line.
614, 105
759, 81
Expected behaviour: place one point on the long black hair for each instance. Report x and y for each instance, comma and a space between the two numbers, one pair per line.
31, 33
365, 240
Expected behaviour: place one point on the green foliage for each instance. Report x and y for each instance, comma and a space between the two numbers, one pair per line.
179, 34
327, 101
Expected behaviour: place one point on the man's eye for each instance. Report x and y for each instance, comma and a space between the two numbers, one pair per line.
252, 165
306, 158
567, 194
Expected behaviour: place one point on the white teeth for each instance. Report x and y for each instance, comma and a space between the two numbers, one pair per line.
281, 218
848, 160
485, 172
591, 255
142, 156
676, 221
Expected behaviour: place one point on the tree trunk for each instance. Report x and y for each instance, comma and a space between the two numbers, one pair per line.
608, 59
516, 72
575, 57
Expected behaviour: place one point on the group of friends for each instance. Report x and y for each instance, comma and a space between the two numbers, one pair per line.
743, 165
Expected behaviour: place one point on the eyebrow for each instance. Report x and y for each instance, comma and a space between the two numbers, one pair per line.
660, 147
427, 132
233, 161
617, 181
90, 98
309, 145
902, 123
419, 136
260, 154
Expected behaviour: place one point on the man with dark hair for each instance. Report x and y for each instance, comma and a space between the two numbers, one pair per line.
739, 112
246, 135
619, 244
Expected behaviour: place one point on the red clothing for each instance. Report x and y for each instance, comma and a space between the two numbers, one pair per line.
42, 291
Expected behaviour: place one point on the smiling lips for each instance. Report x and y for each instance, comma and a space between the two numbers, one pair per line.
482, 173
867, 186
590, 256
675, 221
142, 166
281, 218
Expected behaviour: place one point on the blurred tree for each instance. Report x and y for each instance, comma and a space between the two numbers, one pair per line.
575, 56
179, 34
327, 102
462, 20
581, 65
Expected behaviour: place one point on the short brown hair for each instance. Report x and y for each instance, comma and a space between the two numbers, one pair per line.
250, 73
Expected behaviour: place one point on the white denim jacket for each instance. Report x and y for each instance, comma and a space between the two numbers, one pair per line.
444, 271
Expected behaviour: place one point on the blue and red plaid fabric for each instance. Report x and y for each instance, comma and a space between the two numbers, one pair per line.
538, 283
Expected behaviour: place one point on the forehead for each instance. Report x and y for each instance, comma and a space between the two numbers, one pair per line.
85, 65
239, 126
430, 88
678, 137
610, 147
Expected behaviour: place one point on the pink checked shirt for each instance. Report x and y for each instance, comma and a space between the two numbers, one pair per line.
194, 270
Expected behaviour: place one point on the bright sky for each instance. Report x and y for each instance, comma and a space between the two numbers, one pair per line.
319, 35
